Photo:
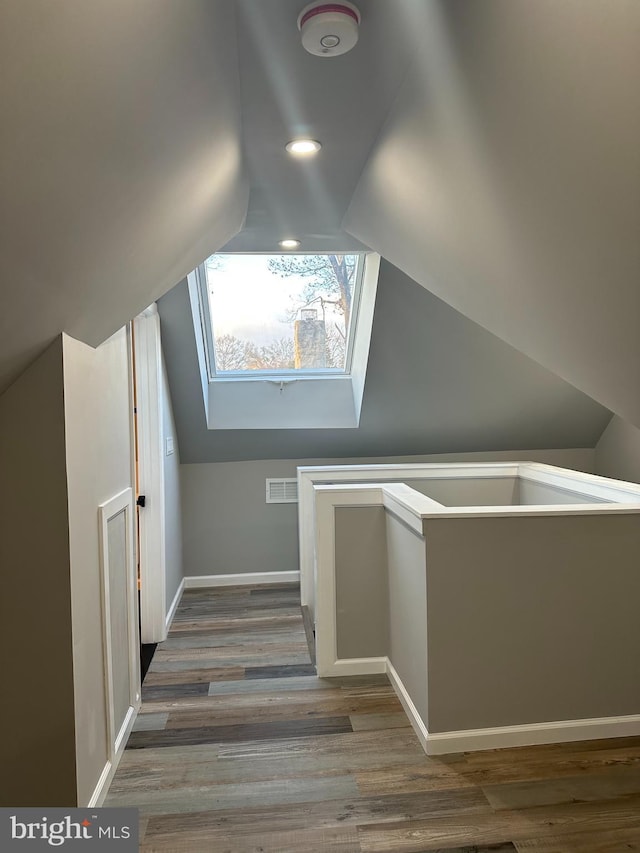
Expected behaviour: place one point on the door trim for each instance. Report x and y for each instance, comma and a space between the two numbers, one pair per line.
148, 378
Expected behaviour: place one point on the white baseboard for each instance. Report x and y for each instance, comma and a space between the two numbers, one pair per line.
354, 666
174, 604
109, 770
533, 734
410, 709
245, 579
125, 729
97, 798
530, 734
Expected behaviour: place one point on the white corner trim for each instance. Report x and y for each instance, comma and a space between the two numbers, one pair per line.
109, 771
174, 605
411, 711
101, 788
354, 666
243, 579
125, 728
563, 731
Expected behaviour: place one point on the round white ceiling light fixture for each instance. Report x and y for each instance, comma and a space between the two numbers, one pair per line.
329, 29
303, 147
289, 244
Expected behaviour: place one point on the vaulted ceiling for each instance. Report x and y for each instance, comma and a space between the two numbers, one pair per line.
120, 160
507, 180
489, 150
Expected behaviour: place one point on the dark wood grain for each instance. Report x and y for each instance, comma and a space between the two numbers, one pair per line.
185, 736
287, 671
174, 691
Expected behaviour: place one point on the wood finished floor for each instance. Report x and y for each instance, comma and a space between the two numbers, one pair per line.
240, 748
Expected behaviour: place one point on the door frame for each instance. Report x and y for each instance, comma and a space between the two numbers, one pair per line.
150, 479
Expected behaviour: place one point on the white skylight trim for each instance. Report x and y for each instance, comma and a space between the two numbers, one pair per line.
294, 399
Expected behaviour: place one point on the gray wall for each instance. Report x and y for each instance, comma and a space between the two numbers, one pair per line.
37, 712
492, 491
99, 466
228, 528
362, 611
618, 451
408, 610
532, 493
532, 619
436, 383
172, 503
506, 181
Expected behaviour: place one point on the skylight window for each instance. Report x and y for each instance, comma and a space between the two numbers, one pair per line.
283, 340
284, 314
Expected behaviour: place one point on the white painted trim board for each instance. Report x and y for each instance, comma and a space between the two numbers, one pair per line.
174, 605
562, 731
242, 579
109, 770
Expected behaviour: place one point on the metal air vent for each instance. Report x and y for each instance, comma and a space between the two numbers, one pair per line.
282, 491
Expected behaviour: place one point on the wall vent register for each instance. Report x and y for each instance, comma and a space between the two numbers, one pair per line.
282, 491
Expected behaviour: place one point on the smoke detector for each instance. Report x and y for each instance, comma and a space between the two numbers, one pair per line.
329, 29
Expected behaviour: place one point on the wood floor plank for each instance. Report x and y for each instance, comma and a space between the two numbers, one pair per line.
150, 722
240, 732
416, 836
188, 798
151, 692
323, 814
233, 658
430, 775
354, 688
191, 676
392, 720
209, 640
262, 650
341, 840
605, 786
291, 670
610, 841
231, 625
271, 711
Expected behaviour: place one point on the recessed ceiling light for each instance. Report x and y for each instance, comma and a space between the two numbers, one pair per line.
303, 147
289, 244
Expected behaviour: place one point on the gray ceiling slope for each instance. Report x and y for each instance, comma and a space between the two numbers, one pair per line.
120, 160
507, 181
342, 101
436, 383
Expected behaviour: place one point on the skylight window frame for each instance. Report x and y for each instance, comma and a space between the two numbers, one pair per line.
285, 374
